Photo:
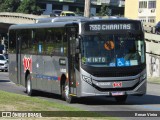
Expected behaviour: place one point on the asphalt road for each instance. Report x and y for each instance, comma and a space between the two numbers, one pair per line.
149, 102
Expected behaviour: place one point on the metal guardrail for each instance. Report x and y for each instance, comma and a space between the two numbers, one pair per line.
152, 43
149, 27
21, 15
152, 54
18, 18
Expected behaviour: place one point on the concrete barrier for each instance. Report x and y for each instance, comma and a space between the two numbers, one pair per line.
153, 65
152, 43
153, 54
149, 27
18, 18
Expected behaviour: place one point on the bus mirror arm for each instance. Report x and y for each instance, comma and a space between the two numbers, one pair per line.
77, 50
77, 57
77, 42
52, 53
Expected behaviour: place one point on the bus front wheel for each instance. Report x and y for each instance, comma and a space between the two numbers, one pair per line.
29, 86
67, 97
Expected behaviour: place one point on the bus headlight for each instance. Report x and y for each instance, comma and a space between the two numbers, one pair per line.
87, 79
143, 77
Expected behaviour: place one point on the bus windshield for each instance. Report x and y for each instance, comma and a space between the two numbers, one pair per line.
112, 50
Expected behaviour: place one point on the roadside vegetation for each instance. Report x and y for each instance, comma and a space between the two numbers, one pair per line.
31, 7
155, 80
16, 102
20, 6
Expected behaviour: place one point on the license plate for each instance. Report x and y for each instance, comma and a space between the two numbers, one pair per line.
117, 93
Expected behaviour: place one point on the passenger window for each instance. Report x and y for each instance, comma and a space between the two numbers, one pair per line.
39, 41
12, 41
25, 40
54, 42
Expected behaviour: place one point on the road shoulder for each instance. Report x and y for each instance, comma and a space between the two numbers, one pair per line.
153, 80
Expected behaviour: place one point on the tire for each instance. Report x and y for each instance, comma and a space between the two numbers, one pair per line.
29, 86
62, 92
67, 97
121, 99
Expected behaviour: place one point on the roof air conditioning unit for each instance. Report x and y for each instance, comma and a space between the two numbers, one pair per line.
139, 10
152, 10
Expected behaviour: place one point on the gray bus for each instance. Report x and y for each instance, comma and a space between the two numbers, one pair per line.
79, 57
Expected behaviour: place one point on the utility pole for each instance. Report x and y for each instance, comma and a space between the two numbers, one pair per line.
87, 8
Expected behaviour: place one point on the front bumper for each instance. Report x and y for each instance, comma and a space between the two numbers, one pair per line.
4, 67
138, 89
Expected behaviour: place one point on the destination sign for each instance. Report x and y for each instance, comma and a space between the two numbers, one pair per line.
109, 26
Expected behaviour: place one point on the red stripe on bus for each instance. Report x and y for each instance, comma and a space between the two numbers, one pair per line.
59, 78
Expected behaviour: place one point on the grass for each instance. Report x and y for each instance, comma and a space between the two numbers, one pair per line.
154, 80
16, 102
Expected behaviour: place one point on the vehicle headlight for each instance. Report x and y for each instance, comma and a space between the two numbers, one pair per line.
143, 77
87, 79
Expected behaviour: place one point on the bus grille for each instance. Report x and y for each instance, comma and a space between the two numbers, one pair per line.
115, 72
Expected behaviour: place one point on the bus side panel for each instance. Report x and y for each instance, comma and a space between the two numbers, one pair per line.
53, 70
48, 73
40, 72
46, 81
13, 68
34, 71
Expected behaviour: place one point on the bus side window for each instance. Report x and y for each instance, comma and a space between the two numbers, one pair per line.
57, 42
12, 41
49, 42
33, 42
25, 40
40, 41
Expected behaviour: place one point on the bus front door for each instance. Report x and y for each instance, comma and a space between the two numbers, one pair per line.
72, 63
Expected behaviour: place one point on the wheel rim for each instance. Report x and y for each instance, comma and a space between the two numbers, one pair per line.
28, 86
67, 91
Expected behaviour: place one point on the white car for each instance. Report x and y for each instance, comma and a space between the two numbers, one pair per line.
3, 63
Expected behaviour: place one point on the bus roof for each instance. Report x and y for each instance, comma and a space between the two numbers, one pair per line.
50, 22
62, 21
39, 25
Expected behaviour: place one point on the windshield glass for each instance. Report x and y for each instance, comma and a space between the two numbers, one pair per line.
112, 50
70, 14
2, 57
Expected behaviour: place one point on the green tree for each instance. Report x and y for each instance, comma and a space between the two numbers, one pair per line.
28, 7
104, 10
9, 5
77, 10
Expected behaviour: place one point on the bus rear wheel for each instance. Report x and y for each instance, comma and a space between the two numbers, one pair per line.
67, 97
29, 86
121, 99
